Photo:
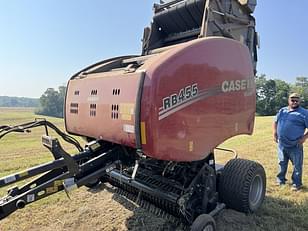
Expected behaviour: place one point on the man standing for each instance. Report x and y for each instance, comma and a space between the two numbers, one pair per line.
289, 130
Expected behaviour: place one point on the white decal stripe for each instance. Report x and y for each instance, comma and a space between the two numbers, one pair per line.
204, 95
200, 95
161, 109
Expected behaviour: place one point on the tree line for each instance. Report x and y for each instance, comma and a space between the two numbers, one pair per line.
7, 101
272, 94
52, 102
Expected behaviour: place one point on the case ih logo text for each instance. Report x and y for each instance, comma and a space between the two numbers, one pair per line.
184, 94
191, 94
236, 85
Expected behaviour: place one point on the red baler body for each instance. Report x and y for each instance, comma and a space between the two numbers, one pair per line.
178, 105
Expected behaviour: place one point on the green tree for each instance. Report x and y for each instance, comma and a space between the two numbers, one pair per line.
266, 91
271, 95
301, 81
52, 102
6, 101
62, 94
282, 94
301, 87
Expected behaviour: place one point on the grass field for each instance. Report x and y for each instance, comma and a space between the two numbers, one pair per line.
101, 210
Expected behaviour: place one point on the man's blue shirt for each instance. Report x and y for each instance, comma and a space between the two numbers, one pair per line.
291, 125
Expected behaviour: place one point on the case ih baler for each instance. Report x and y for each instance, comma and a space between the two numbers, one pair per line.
153, 120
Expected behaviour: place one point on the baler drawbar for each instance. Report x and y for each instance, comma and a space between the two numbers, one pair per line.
63, 173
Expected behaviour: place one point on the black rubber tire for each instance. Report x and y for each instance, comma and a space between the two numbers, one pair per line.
242, 185
203, 222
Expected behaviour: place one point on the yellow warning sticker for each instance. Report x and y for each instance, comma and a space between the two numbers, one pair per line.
51, 190
127, 110
143, 134
126, 117
23, 174
191, 146
95, 146
58, 183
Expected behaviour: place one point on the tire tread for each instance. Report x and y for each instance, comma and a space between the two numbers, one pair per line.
235, 183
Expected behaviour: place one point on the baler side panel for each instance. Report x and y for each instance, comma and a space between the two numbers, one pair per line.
219, 76
102, 106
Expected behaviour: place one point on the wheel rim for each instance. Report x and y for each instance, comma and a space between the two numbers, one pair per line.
255, 191
208, 228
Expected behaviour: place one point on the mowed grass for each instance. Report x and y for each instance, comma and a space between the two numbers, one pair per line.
20, 151
281, 210
24, 150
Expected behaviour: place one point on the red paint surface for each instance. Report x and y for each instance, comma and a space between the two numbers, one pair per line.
102, 126
208, 122
191, 132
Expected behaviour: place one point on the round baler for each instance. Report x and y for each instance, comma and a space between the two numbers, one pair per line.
154, 120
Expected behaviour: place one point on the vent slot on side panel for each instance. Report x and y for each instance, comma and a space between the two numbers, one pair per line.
94, 92
115, 111
74, 108
116, 91
92, 109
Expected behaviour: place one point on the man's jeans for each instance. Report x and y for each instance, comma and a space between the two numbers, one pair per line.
295, 154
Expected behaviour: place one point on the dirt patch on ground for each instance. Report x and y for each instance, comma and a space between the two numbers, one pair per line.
233, 220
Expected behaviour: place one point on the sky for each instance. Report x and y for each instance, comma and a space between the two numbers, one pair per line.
43, 43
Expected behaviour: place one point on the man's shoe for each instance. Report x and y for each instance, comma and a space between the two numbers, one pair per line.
296, 188
280, 183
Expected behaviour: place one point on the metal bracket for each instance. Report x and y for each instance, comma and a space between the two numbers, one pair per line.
55, 148
135, 169
228, 150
